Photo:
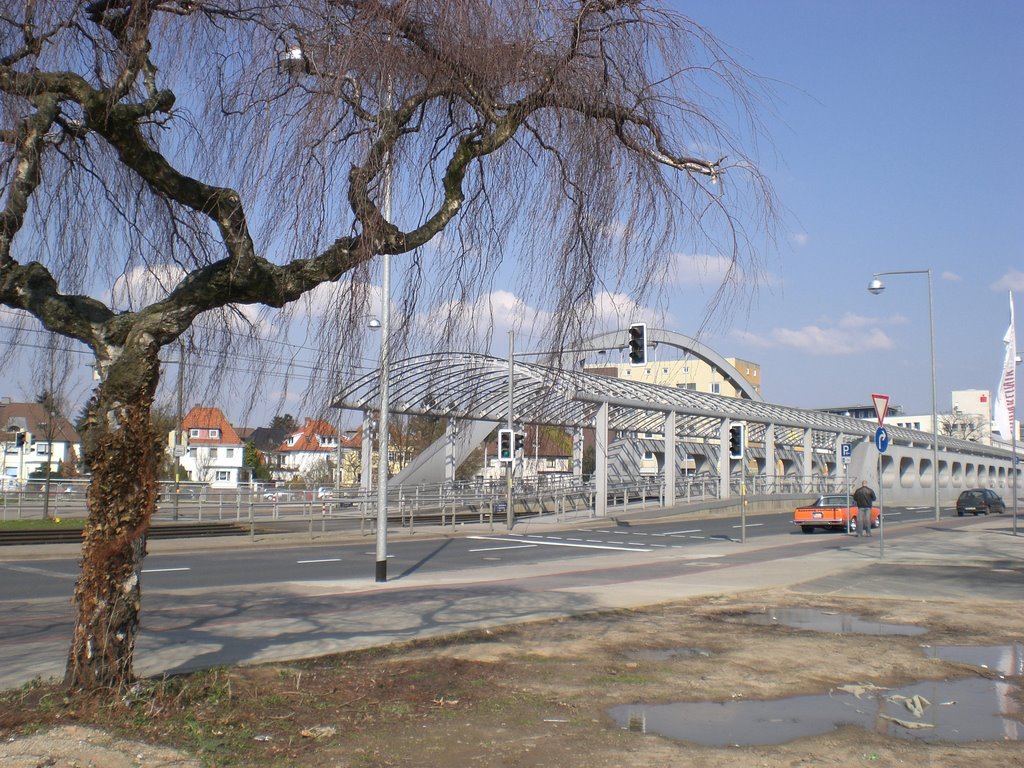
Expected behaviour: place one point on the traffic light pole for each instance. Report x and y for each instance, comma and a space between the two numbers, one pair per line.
509, 515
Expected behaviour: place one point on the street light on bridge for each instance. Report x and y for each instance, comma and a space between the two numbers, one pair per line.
876, 286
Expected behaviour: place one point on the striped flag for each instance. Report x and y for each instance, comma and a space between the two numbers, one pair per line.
1004, 412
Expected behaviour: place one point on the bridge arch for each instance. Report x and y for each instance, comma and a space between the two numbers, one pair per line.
689, 345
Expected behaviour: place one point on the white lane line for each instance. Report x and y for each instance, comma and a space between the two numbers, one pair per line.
375, 554
324, 560
679, 533
39, 571
749, 525
164, 570
567, 544
499, 549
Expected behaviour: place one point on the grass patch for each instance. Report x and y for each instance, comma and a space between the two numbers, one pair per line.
39, 524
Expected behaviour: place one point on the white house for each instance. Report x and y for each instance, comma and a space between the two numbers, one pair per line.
30, 438
215, 454
312, 449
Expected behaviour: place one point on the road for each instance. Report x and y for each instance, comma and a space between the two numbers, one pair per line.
224, 604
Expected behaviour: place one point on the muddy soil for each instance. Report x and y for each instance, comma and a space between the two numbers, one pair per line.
540, 695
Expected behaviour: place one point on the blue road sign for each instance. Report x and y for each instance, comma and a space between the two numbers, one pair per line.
881, 439
846, 450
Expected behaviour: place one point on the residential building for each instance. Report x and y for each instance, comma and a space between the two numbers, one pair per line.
689, 373
215, 454
312, 450
31, 438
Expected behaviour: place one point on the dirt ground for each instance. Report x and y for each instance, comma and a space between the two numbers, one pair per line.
534, 695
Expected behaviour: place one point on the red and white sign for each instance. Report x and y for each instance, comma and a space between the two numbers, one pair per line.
881, 407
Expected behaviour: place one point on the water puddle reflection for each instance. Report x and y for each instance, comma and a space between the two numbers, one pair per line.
1007, 660
972, 709
825, 621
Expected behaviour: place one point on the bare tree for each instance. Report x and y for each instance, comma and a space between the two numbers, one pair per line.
239, 155
965, 426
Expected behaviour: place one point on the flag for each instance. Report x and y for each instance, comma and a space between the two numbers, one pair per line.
1004, 414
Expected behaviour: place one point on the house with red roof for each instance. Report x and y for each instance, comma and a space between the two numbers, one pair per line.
215, 454
310, 451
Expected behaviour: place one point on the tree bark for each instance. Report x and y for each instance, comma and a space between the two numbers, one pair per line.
122, 451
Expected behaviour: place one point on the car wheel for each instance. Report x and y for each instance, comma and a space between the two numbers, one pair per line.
959, 513
807, 528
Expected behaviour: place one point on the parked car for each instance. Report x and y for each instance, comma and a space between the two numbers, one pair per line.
325, 492
979, 501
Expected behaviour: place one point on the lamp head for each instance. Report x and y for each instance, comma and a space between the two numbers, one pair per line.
374, 324
876, 286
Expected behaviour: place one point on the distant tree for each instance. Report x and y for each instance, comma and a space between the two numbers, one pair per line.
239, 154
963, 426
286, 422
254, 460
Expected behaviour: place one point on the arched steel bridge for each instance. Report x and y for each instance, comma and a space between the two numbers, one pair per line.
472, 388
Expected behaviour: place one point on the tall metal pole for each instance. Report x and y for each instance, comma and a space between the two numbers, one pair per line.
935, 417
509, 514
383, 436
876, 287
178, 434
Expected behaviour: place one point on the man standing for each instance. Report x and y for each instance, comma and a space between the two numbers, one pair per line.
864, 498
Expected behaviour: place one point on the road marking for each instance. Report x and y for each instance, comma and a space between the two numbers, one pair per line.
500, 549
164, 570
324, 560
749, 525
375, 554
568, 544
39, 571
679, 533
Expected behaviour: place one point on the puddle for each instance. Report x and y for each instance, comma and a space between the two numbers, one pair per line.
972, 709
1007, 660
664, 654
823, 621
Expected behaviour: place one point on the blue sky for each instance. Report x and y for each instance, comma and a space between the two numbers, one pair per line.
895, 141
896, 144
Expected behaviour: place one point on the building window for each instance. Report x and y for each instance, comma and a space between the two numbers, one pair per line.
648, 455
213, 452
716, 388
223, 475
214, 434
42, 448
229, 453
192, 453
193, 433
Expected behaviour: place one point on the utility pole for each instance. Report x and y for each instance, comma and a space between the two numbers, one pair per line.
509, 514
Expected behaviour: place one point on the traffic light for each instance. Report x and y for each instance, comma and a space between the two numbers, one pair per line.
19, 439
520, 442
505, 445
736, 441
638, 344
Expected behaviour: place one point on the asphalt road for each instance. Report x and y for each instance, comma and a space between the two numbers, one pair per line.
226, 604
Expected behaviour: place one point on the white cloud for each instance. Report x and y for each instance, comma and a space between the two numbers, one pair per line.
697, 269
801, 238
951, 277
853, 334
1013, 280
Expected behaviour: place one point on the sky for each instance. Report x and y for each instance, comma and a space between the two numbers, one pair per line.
894, 143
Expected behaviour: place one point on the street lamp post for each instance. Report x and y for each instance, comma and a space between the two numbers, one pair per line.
876, 286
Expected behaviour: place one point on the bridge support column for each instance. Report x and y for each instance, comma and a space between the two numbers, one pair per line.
577, 453
771, 472
670, 459
807, 465
451, 432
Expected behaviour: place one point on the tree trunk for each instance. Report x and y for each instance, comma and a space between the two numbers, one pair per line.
122, 452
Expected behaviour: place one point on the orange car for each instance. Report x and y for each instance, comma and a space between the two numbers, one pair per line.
836, 512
